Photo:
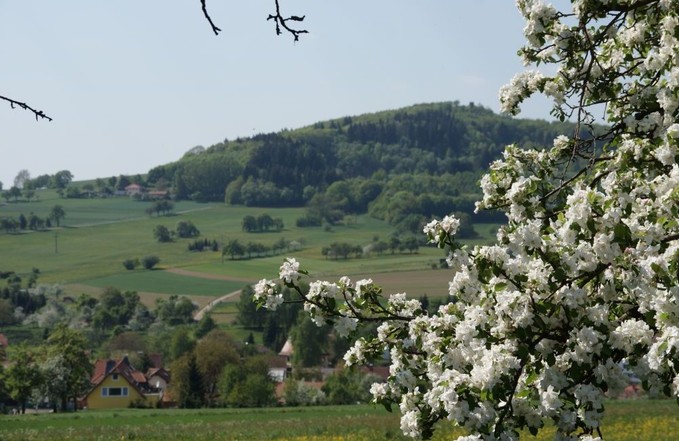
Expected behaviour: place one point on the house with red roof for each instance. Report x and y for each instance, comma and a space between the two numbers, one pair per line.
116, 384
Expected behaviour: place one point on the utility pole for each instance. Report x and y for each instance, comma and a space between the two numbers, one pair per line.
56, 243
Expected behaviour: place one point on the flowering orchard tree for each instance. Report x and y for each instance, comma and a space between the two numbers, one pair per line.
585, 275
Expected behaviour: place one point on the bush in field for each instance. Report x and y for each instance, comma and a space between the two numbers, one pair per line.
149, 262
185, 228
162, 233
130, 264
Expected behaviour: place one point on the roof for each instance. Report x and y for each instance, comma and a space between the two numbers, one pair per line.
101, 369
287, 349
139, 377
279, 361
160, 372
380, 371
122, 367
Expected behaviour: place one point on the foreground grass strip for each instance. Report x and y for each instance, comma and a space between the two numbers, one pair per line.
638, 420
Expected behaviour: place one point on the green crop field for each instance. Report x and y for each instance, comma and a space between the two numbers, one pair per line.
632, 420
87, 252
167, 283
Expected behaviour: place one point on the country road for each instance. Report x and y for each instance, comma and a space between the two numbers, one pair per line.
199, 315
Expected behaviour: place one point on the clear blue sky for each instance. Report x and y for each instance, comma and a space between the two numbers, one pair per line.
133, 84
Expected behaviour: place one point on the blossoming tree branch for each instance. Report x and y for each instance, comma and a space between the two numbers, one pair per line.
585, 274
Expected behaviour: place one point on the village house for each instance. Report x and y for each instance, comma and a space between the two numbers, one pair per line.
280, 367
117, 384
134, 189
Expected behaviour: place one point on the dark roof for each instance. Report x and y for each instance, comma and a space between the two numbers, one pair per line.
161, 372
278, 361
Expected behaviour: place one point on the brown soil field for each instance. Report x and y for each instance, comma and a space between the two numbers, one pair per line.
433, 283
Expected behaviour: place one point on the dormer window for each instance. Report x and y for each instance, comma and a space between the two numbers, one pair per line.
115, 377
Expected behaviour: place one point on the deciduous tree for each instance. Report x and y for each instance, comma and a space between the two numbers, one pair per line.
21, 178
67, 366
57, 213
162, 234
213, 353
584, 274
23, 376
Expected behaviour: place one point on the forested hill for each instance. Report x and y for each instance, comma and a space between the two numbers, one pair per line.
437, 149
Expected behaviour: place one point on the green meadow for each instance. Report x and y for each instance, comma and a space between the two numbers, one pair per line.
630, 420
86, 252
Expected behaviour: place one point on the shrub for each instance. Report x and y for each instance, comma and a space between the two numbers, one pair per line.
308, 221
186, 228
130, 264
162, 233
150, 261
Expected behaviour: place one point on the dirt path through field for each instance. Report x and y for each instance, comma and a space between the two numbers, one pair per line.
184, 272
199, 315
212, 303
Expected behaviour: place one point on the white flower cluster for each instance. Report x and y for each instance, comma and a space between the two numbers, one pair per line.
437, 231
585, 274
521, 87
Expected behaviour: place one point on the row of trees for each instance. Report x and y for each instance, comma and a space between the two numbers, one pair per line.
148, 262
14, 193
261, 223
59, 180
33, 222
162, 207
184, 229
237, 250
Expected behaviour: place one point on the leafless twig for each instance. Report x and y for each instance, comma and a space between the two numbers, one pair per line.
215, 29
281, 22
38, 113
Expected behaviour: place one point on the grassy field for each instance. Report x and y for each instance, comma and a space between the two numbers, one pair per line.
633, 420
87, 252
167, 283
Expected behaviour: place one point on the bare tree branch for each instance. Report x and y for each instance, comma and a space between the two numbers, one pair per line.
215, 29
37, 113
281, 22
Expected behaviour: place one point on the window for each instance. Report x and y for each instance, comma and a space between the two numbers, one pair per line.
114, 392
114, 377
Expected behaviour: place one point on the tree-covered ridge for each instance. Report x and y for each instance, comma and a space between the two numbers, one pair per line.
403, 165
288, 167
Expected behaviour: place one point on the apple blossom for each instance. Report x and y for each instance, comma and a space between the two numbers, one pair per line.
582, 279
